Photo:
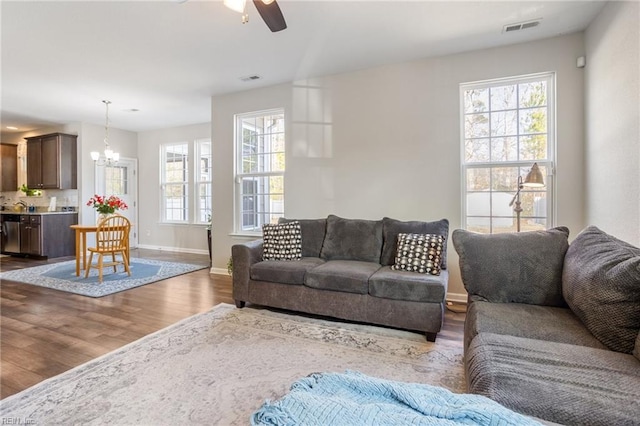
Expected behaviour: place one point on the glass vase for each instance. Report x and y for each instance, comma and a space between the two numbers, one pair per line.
104, 216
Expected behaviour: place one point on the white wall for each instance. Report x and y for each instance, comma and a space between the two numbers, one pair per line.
91, 138
386, 141
153, 233
222, 127
15, 137
613, 121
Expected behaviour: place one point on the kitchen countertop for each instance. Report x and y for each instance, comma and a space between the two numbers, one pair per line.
34, 213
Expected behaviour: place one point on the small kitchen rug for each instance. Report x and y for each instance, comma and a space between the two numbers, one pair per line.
62, 276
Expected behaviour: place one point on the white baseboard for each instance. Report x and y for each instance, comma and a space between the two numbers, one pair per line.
174, 249
219, 271
457, 297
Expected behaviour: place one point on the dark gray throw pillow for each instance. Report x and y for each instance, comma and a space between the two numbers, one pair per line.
392, 227
352, 239
523, 267
313, 231
601, 284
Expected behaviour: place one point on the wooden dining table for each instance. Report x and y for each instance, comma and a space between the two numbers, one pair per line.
81, 245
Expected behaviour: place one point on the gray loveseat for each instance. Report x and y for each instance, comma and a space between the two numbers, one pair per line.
552, 329
345, 272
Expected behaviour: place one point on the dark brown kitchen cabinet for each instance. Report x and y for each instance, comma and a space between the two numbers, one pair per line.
9, 164
52, 161
47, 235
30, 235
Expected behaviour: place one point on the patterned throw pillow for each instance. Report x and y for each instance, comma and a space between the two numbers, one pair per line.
282, 241
420, 253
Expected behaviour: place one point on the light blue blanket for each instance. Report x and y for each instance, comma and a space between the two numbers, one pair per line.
353, 398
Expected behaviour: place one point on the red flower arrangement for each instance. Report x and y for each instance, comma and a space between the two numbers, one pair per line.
106, 205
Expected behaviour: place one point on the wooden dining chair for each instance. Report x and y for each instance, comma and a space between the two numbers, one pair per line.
112, 237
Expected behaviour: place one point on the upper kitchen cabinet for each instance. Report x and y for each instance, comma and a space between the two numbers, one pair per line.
9, 171
52, 161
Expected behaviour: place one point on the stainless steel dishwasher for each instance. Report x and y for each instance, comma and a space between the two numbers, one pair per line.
11, 233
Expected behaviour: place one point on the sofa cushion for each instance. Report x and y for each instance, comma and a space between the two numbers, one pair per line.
392, 227
352, 239
550, 323
400, 285
523, 267
349, 276
284, 271
420, 253
312, 231
601, 284
562, 383
282, 241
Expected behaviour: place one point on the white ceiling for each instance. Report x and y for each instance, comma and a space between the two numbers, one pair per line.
166, 58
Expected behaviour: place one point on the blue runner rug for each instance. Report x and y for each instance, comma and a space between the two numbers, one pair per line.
62, 276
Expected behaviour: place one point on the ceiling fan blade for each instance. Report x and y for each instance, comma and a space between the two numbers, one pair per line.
271, 14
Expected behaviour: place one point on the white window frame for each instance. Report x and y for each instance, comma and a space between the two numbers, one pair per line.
165, 184
192, 181
549, 164
241, 176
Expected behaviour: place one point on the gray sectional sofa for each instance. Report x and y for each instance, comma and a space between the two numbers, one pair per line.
345, 272
552, 329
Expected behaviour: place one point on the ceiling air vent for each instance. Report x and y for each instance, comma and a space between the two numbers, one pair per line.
521, 26
250, 78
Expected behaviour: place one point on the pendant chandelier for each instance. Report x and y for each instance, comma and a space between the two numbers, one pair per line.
110, 157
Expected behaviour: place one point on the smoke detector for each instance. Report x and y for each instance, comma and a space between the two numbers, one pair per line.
518, 26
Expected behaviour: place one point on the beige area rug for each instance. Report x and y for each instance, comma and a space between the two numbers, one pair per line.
219, 367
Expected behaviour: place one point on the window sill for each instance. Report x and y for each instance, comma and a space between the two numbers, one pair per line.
245, 235
200, 225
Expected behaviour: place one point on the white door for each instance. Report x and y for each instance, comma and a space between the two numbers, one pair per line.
121, 180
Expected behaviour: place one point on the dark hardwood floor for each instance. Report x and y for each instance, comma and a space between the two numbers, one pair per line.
45, 332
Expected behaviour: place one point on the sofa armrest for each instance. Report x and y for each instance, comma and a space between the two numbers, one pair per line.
244, 255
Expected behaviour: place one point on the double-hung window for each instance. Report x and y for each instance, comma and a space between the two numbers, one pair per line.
175, 182
186, 193
260, 167
507, 125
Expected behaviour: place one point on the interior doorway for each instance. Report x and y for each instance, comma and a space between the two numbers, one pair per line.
121, 180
